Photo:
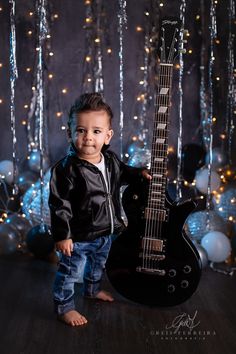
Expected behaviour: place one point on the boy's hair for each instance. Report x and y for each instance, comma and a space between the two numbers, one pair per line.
89, 102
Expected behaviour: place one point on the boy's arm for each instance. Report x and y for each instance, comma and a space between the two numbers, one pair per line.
60, 206
129, 173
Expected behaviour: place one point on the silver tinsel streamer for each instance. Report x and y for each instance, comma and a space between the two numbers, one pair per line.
203, 101
43, 29
93, 64
181, 71
231, 97
122, 18
213, 33
98, 69
13, 77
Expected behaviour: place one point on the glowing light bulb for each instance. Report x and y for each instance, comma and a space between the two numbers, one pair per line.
28, 69
88, 58
139, 29
50, 76
51, 54
1, 100
30, 33
97, 40
64, 90
23, 122
109, 50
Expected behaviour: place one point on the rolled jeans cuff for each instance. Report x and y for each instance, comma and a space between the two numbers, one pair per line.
61, 309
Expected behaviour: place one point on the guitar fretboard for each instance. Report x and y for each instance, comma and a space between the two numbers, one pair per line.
157, 190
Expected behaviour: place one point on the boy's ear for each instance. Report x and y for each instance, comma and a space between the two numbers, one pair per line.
109, 136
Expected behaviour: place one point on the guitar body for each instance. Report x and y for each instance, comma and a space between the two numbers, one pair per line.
182, 264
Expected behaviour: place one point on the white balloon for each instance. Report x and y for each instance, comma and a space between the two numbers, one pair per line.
201, 178
217, 246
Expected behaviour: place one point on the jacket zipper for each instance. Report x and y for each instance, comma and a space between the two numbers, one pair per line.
108, 190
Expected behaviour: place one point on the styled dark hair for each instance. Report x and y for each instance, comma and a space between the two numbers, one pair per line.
89, 102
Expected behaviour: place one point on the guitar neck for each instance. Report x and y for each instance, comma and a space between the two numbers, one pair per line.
157, 190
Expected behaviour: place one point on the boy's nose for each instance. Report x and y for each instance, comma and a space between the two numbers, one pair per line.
88, 135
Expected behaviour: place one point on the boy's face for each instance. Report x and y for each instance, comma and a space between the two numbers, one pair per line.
89, 132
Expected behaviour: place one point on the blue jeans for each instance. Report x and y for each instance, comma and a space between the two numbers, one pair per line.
96, 253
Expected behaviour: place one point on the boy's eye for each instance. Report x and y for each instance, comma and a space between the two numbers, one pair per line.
80, 130
97, 131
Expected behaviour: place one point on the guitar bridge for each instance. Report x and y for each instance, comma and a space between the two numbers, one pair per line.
152, 257
160, 272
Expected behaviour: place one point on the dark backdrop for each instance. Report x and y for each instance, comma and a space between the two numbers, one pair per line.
69, 47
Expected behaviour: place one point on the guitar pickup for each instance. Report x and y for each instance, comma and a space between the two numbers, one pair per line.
152, 244
161, 272
156, 214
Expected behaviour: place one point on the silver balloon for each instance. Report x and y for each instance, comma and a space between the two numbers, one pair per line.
25, 180
34, 161
203, 255
20, 223
219, 159
196, 224
225, 204
32, 202
9, 239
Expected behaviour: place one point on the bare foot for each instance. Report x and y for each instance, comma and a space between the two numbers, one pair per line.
104, 295
73, 318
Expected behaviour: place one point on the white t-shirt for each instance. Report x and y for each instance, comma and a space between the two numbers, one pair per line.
101, 166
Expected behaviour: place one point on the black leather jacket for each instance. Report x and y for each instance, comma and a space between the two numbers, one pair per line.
81, 206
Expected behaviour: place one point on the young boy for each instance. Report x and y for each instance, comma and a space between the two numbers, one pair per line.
84, 203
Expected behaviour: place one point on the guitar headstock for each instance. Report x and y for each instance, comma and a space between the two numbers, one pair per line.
169, 39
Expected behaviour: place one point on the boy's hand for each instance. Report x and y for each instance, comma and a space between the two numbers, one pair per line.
65, 246
145, 174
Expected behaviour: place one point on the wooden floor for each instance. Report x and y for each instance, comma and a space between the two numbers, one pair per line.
28, 324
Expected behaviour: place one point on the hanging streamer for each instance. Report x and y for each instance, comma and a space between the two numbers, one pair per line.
181, 72
98, 69
231, 99
122, 18
213, 34
43, 29
94, 37
13, 77
203, 100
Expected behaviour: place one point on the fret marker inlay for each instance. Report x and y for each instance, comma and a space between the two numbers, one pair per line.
162, 109
161, 126
164, 91
160, 141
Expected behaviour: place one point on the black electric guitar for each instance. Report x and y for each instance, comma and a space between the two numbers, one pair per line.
154, 262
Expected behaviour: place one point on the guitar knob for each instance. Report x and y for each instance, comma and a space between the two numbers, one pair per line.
135, 196
171, 288
184, 284
172, 273
187, 269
